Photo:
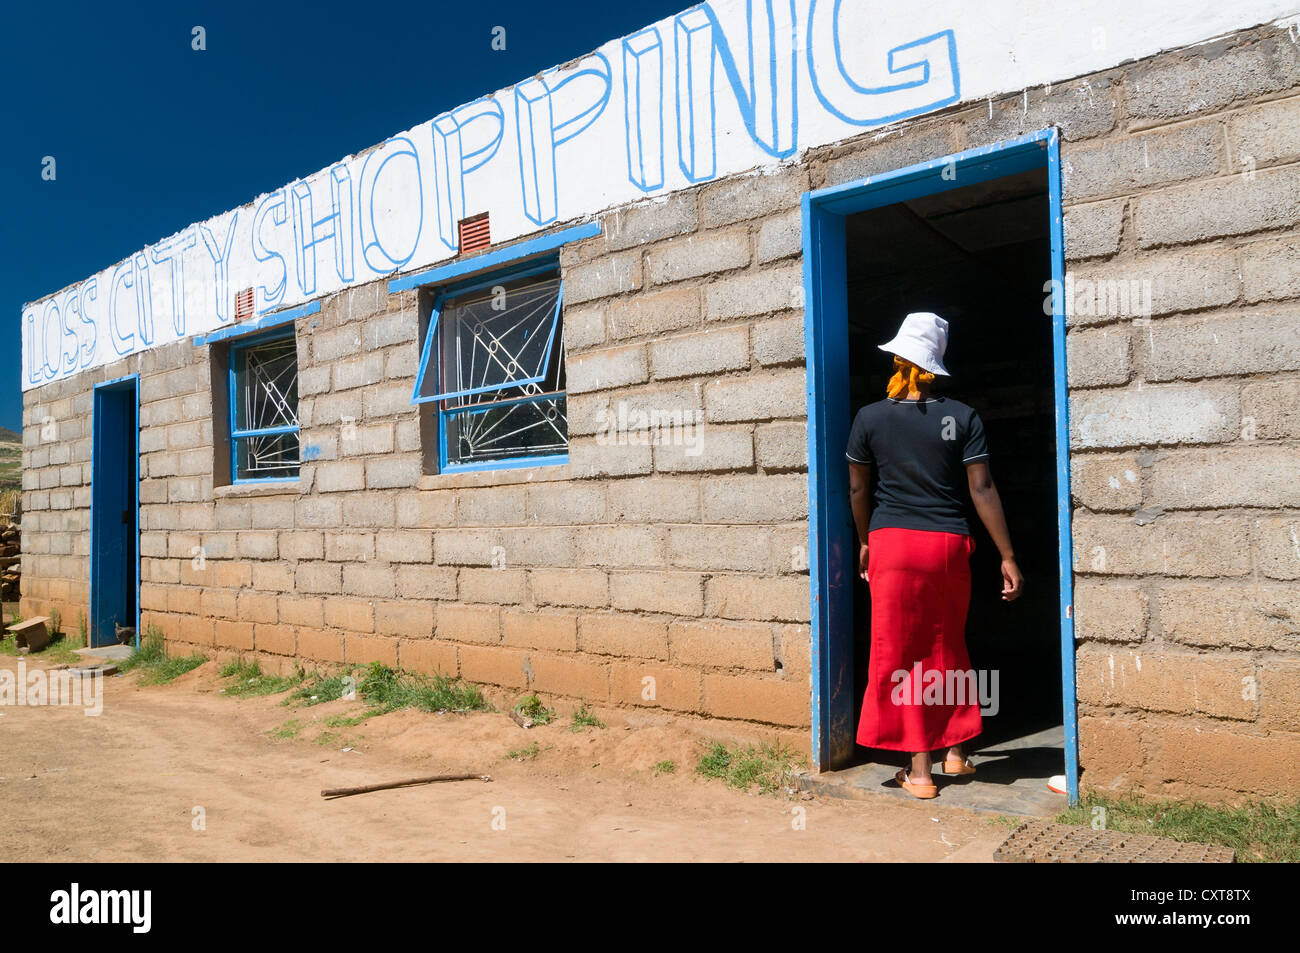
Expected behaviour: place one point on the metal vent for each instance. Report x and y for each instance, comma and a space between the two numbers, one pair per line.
1044, 842
244, 304
474, 232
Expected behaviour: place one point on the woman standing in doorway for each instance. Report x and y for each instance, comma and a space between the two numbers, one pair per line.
915, 547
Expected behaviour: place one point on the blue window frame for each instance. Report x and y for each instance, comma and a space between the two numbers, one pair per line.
263, 382
493, 365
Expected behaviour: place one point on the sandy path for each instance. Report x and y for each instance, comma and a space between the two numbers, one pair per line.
123, 786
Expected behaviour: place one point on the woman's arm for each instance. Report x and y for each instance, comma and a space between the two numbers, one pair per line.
860, 502
989, 507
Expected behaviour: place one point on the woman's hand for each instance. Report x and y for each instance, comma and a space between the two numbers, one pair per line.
1012, 581
862, 561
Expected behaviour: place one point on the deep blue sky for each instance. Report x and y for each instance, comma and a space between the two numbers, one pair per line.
149, 135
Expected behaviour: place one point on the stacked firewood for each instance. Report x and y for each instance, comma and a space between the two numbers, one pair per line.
9, 559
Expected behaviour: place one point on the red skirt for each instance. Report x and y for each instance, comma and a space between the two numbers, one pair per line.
920, 591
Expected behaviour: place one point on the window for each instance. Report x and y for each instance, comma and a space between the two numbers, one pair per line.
264, 407
493, 365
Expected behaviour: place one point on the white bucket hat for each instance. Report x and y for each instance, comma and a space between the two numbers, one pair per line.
922, 339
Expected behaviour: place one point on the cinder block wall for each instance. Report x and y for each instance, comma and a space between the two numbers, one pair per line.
641, 560
1187, 465
666, 571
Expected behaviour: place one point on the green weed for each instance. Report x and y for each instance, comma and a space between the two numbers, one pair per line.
770, 767
1257, 831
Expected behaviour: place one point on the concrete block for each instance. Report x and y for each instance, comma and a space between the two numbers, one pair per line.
764, 396
1155, 679
469, 623
756, 499
675, 593
1171, 546
655, 499
1210, 77
1265, 134
1222, 346
1219, 208
654, 313
610, 367
779, 341
1109, 612
1230, 615
1270, 270
1158, 414
1270, 409
1168, 282
1098, 357
609, 275
751, 293
570, 587
1106, 482
696, 255
490, 586
706, 449
750, 196
556, 631
628, 636
760, 598
1277, 546
1110, 167
1255, 476
708, 352
780, 236
652, 221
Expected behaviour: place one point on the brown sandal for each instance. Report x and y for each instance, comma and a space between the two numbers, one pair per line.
959, 767
923, 791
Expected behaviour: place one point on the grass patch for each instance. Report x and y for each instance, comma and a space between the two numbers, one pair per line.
389, 690
583, 718
532, 708
286, 731
665, 767
62, 651
1258, 831
328, 738
157, 668
249, 679
524, 754
769, 767
318, 689
384, 689
346, 721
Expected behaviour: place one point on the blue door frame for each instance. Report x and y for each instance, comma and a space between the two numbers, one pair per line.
115, 510
830, 524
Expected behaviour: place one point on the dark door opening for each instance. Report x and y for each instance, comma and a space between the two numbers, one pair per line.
980, 256
114, 514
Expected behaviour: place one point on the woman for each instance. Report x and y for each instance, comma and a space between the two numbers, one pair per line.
915, 555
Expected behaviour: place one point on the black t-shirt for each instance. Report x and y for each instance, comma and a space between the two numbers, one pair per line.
919, 450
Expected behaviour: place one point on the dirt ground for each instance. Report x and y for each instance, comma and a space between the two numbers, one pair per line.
125, 786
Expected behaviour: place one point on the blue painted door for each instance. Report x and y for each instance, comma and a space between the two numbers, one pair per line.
114, 513
831, 552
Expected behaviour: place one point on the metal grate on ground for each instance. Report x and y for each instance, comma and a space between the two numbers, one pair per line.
1042, 842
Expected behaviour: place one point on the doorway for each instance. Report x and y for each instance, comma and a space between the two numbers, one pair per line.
975, 237
115, 512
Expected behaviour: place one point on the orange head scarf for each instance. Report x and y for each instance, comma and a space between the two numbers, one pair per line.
907, 379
